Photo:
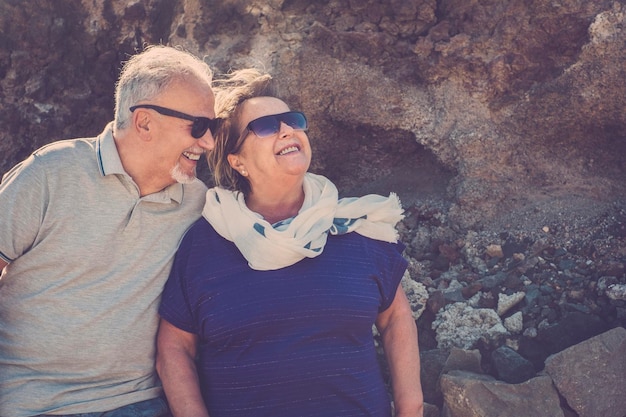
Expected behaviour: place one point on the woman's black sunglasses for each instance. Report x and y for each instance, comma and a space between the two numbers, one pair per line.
198, 128
268, 125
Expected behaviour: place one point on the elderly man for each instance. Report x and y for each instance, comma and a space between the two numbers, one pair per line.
88, 231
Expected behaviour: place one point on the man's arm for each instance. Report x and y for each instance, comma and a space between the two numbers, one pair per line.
399, 334
175, 363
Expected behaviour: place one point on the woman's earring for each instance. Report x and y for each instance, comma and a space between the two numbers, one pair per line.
244, 172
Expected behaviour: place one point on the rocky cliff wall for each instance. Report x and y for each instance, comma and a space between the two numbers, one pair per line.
495, 109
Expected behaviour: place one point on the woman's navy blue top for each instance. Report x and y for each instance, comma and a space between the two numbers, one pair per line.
296, 341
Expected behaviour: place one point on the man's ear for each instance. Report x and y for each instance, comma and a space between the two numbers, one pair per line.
141, 123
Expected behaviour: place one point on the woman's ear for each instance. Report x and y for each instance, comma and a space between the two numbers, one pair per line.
236, 164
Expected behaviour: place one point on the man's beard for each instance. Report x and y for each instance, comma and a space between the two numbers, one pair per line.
182, 177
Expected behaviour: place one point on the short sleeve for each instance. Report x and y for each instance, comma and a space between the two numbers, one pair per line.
24, 196
175, 301
391, 266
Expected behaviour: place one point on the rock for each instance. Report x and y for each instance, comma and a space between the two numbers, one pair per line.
456, 295
510, 366
506, 302
605, 282
512, 247
494, 251
472, 395
421, 242
552, 338
416, 293
432, 365
515, 323
616, 292
591, 375
572, 329
463, 360
492, 281
436, 301
612, 268
431, 410
460, 325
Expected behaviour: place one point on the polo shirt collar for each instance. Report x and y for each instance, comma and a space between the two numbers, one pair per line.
109, 163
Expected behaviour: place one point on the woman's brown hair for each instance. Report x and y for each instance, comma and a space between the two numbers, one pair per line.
230, 93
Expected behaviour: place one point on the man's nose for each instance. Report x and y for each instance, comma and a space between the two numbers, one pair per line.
207, 141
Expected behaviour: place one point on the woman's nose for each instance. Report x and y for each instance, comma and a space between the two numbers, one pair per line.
285, 130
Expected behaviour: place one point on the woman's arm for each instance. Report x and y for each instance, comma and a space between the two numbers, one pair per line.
175, 363
399, 334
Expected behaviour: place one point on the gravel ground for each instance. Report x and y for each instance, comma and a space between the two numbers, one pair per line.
567, 257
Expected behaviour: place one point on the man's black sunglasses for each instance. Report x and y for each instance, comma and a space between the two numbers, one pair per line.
268, 125
198, 128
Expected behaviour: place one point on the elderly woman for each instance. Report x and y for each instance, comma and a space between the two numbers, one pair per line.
269, 307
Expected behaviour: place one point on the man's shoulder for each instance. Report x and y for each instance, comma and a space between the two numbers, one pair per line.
54, 157
66, 149
197, 186
194, 193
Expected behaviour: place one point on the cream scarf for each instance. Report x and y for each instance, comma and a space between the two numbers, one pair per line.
267, 247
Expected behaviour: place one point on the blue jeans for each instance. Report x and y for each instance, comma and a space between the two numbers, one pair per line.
156, 407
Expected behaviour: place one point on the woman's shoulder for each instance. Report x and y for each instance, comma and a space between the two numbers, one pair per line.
201, 230
202, 243
354, 238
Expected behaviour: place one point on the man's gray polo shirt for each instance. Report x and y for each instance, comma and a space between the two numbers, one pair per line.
88, 260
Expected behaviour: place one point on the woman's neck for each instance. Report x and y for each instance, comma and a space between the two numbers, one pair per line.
276, 205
